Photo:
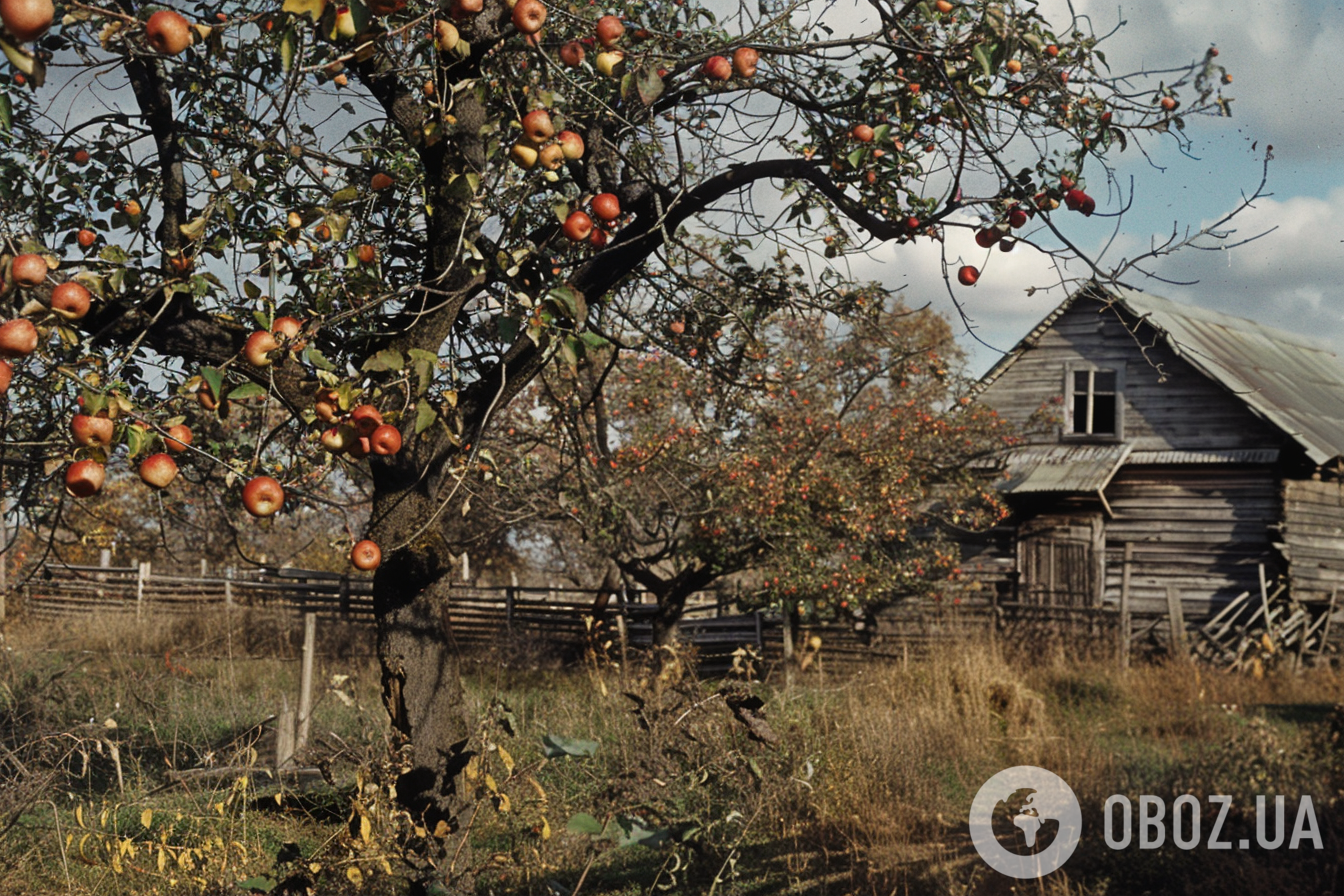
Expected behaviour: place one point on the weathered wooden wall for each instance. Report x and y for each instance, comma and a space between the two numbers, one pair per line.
1203, 529
1167, 403
1312, 537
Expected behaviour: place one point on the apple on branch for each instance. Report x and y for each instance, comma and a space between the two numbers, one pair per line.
263, 496
158, 470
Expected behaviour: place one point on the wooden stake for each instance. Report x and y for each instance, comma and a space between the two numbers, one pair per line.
306, 681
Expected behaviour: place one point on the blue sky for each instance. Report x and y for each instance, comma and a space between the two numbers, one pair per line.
1288, 86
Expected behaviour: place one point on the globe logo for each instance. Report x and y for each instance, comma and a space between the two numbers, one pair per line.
1025, 822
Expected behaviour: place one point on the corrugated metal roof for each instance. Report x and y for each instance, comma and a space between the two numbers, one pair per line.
1063, 468
1292, 381
1228, 456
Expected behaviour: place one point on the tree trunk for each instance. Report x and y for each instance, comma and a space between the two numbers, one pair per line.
671, 605
422, 686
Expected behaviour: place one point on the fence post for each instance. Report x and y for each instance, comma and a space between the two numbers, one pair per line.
1126, 620
345, 596
142, 575
306, 681
228, 586
508, 608
1176, 617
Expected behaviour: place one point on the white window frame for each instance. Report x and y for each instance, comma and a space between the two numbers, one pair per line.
1071, 430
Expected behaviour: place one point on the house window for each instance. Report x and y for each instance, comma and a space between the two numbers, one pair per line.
1093, 397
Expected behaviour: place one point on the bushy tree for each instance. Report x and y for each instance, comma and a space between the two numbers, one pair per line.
390, 175
831, 459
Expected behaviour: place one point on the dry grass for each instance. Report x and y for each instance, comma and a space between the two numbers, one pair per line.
865, 791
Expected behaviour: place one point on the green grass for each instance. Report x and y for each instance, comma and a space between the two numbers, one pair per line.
866, 790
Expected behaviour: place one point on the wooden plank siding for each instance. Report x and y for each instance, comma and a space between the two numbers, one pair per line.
1167, 403
1312, 535
1203, 529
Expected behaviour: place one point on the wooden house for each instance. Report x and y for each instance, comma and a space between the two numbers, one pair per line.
1204, 447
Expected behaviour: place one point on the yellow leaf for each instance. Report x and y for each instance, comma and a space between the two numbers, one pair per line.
545, 829
147, 818
79, 815
310, 8
490, 784
365, 828
504, 803
505, 758
116, 864
315, 867
354, 875
441, 829
162, 860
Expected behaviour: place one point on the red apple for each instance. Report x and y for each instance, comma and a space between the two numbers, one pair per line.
6, 374
327, 406
607, 206
610, 63
29, 269
366, 418
718, 68
538, 127
445, 35
18, 337
862, 133
386, 439
609, 30
258, 347
987, 237
381, 181
462, 8
90, 432
158, 470
1074, 199
571, 144
578, 226
524, 155
744, 61
263, 496
168, 32
599, 238
338, 438
968, 275
572, 53
86, 238
84, 478
359, 448
551, 156
288, 327
27, 19
366, 254
179, 437
70, 300
1017, 218
529, 16
366, 555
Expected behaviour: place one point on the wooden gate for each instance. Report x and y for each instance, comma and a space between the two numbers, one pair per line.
1060, 559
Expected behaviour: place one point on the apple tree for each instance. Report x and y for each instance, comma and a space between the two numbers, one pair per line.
354, 233
830, 458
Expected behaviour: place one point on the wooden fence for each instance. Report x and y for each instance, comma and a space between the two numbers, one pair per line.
563, 619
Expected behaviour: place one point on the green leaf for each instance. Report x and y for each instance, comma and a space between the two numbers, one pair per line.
214, 379
387, 359
555, 747
251, 290
630, 830
983, 57
508, 328
311, 8
649, 84
571, 350
246, 391
257, 885
570, 301
583, 823
855, 157
6, 113
593, 340
288, 46
317, 359
344, 195
425, 415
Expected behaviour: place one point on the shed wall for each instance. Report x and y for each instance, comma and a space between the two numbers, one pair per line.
1204, 530
1313, 537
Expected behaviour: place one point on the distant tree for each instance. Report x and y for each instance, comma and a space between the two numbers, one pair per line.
405, 180
832, 464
